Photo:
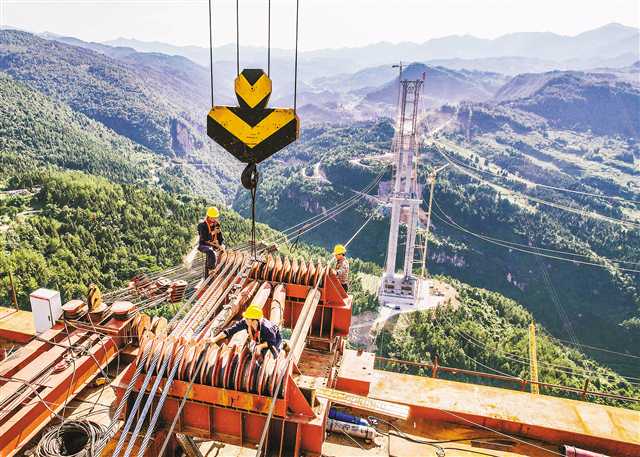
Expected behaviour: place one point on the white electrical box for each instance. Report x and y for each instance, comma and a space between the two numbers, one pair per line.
46, 307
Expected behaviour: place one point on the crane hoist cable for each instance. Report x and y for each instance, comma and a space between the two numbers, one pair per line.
251, 132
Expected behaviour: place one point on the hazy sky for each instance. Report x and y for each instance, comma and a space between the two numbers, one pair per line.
323, 23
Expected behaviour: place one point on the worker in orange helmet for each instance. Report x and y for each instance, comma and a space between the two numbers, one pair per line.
211, 241
263, 334
342, 265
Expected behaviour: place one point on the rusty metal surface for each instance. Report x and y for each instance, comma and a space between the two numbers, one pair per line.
552, 419
15, 325
24, 414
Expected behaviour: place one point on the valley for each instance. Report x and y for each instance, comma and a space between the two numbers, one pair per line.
537, 217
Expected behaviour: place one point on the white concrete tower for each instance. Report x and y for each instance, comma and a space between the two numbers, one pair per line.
399, 289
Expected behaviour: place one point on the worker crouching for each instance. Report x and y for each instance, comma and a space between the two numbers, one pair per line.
342, 265
210, 239
263, 334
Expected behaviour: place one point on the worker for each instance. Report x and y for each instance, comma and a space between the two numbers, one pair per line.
211, 241
342, 266
264, 334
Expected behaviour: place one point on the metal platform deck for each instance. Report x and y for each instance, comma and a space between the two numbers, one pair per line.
615, 431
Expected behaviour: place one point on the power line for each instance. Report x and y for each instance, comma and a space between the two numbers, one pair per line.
525, 359
546, 186
453, 224
597, 348
579, 211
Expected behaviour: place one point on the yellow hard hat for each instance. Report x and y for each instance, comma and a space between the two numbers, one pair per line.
213, 212
339, 249
253, 312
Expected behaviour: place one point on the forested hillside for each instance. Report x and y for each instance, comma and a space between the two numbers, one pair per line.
158, 102
39, 131
75, 229
108, 153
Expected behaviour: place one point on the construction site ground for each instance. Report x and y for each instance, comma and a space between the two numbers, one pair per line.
365, 326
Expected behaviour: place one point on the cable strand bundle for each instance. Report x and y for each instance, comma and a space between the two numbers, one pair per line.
74, 438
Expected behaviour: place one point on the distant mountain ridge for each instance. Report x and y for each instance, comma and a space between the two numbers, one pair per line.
443, 85
603, 46
599, 102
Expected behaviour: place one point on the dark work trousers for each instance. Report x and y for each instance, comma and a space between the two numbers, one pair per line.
211, 257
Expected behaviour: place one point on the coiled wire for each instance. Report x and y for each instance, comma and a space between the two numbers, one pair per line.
74, 438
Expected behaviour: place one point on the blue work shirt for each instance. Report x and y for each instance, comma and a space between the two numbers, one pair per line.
268, 332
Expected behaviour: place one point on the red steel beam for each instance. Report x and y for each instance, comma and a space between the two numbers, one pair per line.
22, 426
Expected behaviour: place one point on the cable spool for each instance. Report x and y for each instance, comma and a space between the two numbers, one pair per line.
74, 438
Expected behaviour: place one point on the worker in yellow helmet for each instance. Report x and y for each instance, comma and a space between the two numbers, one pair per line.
264, 334
342, 265
211, 241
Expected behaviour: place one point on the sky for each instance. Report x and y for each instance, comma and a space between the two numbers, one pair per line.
323, 23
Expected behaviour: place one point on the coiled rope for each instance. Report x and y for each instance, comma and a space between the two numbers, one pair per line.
73, 438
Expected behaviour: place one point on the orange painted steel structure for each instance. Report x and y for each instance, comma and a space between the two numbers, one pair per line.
435, 368
614, 431
232, 394
35, 385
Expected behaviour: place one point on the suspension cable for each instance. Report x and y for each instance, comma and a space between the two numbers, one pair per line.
585, 212
449, 221
545, 186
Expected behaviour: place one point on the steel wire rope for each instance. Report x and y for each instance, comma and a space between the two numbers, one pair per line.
596, 348
31, 386
211, 47
145, 383
269, 38
555, 298
440, 451
323, 218
315, 221
513, 437
73, 374
201, 324
579, 211
557, 251
546, 186
295, 72
75, 347
109, 432
524, 360
534, 253
442, 211
51, 445
287, 364
237, 38
499, 243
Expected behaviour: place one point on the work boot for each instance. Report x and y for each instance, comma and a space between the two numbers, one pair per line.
286, 348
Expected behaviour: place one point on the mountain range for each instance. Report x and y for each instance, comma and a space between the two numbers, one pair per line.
610, 45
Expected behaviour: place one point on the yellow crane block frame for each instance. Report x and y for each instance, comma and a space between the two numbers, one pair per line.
251, 132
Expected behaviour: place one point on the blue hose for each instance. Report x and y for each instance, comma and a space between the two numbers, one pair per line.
344, 417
